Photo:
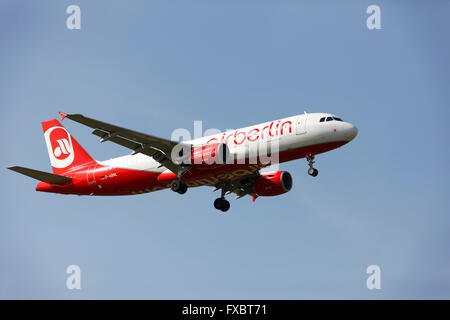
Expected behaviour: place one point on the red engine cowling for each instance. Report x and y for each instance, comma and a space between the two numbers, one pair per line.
210, 156
273, 184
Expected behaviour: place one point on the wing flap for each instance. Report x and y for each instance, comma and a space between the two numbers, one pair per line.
41, 175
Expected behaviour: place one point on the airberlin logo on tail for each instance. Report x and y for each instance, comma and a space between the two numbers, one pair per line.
64, 148
59, 145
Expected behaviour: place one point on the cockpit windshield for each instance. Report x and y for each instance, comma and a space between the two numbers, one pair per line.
330, 119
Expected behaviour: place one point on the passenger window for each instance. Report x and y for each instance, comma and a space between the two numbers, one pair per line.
322, 119
330, 119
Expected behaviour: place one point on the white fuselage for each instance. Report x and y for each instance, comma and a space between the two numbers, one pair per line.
286, 134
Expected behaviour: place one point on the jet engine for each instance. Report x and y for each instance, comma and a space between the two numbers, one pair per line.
273, 184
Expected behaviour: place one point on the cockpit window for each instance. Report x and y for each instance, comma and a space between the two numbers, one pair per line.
330, 119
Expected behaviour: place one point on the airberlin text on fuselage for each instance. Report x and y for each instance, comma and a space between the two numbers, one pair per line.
254, 134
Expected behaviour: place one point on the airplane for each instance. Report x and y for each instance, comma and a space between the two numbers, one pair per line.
230, 161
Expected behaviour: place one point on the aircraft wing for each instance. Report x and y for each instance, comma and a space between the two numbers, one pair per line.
158, 148
241, 187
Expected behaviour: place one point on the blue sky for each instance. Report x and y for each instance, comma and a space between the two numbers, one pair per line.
155, 66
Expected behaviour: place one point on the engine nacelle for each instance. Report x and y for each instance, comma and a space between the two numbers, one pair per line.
210, 156
273, 184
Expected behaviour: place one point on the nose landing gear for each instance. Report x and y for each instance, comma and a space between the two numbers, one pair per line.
311, 171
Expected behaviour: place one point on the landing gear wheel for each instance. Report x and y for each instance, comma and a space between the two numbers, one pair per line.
313, 172
217, 203
226, 205
178, 186
175, 185
221, 204
183, 188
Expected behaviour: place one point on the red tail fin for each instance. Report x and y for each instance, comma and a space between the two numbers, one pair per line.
64, 151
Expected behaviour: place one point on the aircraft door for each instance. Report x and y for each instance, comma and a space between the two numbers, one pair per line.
300, 126
90, 175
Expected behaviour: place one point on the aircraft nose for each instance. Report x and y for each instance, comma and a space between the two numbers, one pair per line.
351, 132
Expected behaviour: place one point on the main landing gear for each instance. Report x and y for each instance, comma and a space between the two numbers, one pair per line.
222, 204
311, 171
178, 186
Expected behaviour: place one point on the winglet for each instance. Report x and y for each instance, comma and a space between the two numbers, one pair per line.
63, 115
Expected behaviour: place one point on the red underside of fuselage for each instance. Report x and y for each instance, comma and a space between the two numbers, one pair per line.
107, 181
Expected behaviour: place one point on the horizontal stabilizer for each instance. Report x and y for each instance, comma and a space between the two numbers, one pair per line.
40, 175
